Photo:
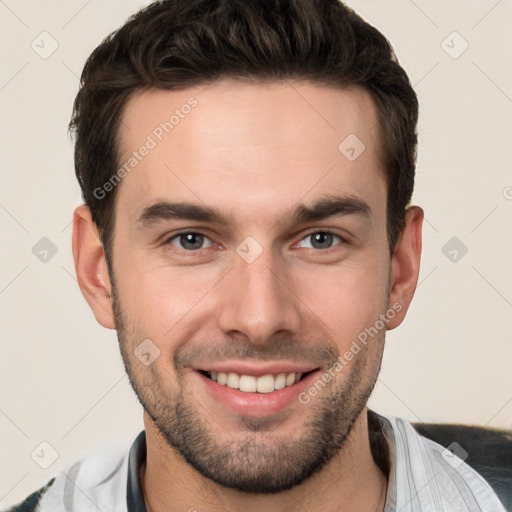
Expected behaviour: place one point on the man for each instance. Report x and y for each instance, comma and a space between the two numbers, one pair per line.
247, 169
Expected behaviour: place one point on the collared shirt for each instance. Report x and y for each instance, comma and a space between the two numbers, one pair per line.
422, 477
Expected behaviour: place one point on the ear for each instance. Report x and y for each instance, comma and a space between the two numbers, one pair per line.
405, 265
91, 267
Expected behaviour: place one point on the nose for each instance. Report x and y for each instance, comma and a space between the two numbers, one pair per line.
258, 302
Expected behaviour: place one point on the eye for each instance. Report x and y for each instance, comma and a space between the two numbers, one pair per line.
320, 240
190, 241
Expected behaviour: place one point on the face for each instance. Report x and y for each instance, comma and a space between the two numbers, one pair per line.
250, 252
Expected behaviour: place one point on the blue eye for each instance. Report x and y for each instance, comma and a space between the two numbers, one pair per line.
190, 241
320, 240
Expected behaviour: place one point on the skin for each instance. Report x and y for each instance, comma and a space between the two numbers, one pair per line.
252, 152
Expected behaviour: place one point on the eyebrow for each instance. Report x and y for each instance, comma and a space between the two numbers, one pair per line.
323, 209
329, 207
164, 211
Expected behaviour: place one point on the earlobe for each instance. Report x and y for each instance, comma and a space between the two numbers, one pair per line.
405, 265
91, 267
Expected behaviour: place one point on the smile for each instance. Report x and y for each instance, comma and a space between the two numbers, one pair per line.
251, 384
253, 389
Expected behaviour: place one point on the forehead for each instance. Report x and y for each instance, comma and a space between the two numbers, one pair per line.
243, 147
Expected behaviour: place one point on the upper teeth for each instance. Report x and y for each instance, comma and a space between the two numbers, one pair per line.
250, 384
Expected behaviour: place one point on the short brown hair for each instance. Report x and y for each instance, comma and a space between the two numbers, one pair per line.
174, 44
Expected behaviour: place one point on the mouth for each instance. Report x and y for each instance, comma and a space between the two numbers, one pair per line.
253, 389
264, 384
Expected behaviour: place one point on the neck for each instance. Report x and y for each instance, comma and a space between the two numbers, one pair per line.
349, 481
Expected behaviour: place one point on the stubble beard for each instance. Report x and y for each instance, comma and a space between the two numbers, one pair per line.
260, 460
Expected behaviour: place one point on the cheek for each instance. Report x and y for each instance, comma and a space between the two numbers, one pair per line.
348, 298
157, 299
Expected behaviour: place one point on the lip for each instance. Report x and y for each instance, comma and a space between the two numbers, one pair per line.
255, 404
257, 370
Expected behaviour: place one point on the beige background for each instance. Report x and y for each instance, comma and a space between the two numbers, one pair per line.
62, 381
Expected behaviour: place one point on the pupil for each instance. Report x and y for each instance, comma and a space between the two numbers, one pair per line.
192, 241
322, 240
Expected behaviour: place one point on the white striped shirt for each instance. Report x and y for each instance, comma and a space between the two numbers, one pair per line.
423, 477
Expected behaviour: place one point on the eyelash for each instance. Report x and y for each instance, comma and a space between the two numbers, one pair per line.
168, 241
342, 240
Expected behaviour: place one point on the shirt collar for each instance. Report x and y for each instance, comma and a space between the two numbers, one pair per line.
137, 459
